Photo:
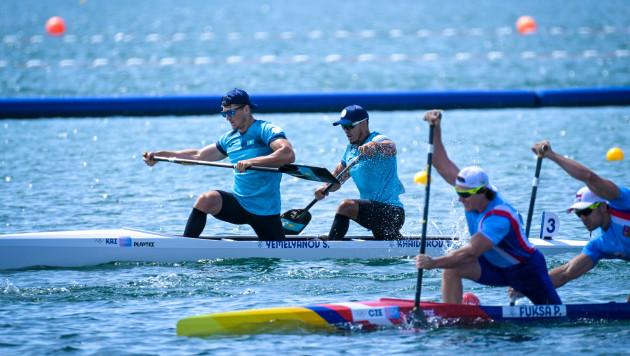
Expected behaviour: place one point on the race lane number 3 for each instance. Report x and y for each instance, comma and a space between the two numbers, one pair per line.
550, 224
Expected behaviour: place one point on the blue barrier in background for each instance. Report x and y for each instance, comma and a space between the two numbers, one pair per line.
312, 102
585, 97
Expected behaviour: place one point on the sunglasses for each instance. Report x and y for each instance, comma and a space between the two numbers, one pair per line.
231, 113
352, 125
586, 211
468, 192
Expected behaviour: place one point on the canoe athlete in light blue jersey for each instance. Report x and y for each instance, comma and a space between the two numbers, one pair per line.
498, 253
255, 196
376, 177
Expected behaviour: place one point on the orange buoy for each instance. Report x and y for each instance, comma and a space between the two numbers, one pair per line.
526, 25
55, 26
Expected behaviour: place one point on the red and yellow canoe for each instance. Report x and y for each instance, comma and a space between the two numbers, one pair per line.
385, 313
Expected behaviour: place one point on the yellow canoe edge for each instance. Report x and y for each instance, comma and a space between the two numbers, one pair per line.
257, 321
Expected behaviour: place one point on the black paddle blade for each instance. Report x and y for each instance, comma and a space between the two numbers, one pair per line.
295, 220
309, 172
418, 320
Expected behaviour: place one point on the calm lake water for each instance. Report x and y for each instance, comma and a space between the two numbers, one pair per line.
75, 174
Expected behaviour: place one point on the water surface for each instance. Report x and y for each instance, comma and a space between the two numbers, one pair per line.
75, 174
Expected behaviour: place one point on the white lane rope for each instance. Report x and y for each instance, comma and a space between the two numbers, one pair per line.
303, 58
16, 39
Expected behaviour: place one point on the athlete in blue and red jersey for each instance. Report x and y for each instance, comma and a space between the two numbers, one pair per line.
498, 253
255, 195
603, 207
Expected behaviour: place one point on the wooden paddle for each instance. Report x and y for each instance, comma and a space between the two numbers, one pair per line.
295, 220
534, 188
297, 170
418, 319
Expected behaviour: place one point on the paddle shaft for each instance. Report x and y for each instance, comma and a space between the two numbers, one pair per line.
419, 315
193, 162
297, 170
330, 185
533, 198
530, 213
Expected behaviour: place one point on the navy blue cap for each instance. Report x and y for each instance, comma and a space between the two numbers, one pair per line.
350, 114
237, 96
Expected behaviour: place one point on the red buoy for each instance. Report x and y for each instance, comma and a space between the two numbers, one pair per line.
470, 299
55, 26
526, 25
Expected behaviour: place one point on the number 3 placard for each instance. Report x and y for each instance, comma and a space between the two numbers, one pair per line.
549, 226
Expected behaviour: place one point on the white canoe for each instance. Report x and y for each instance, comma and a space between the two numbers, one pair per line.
94, 247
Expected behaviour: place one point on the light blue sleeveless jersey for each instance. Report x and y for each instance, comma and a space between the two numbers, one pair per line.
376, 177
257, 192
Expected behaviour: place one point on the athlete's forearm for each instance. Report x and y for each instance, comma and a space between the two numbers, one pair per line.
598, 185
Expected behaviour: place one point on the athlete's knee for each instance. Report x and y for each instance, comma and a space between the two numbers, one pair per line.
451, 273
349, 208
209, 202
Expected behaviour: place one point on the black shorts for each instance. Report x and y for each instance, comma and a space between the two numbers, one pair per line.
267, 227
384, 220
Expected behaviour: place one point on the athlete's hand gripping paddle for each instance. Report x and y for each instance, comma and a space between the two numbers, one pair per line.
295, 220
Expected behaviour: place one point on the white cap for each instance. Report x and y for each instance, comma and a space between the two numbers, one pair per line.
583, 199
473, 177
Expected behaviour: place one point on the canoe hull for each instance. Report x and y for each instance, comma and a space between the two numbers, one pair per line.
387, 313
94, 247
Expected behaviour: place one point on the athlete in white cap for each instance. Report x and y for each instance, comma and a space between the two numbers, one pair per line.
498, 253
